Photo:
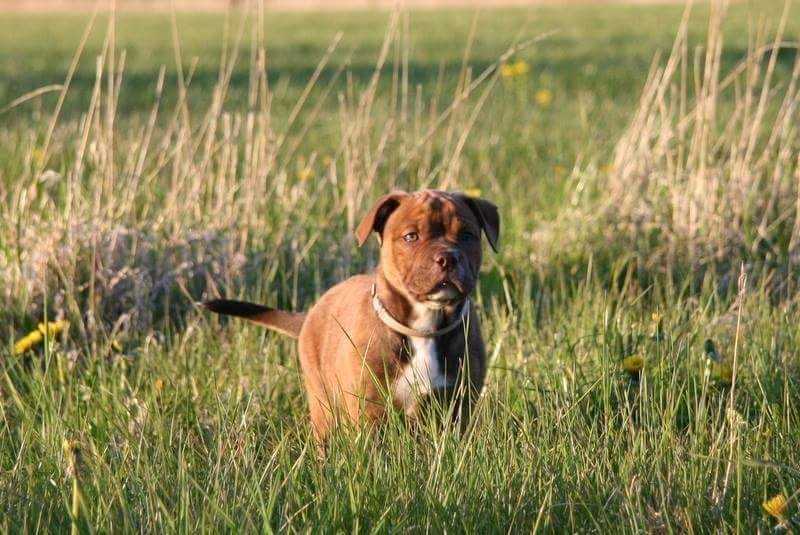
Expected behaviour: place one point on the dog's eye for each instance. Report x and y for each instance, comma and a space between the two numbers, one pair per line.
467, 236
411, 236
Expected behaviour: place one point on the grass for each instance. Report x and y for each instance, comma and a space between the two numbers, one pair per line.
245, 178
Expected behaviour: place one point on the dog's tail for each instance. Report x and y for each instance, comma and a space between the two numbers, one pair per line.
288, 323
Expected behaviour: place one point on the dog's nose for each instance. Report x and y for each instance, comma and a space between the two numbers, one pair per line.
446, 259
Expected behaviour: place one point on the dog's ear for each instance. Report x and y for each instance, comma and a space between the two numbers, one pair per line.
488, 217
375, 220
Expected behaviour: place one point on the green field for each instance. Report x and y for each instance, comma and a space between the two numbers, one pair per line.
648, 206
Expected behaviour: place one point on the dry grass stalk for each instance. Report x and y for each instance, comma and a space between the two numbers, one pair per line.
706, 175
147, 209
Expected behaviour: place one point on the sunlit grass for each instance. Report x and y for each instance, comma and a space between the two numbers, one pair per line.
629, 390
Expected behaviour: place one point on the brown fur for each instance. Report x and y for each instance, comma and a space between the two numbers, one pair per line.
351, 360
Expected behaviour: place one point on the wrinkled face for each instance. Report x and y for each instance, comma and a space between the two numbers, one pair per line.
431, 247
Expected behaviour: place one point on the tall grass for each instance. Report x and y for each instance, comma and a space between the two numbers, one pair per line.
705, 178
147, 416
130, 223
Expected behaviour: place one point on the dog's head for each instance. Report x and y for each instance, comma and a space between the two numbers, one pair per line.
431, 242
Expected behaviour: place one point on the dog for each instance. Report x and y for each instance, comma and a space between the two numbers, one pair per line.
406, 334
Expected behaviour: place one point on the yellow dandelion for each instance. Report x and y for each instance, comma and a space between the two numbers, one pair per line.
305, 173
27, 342
776, 506
53, 328
33, 338
472, 192
507, 70
633, 364
158, 385
543, 97
515, 69
522, 68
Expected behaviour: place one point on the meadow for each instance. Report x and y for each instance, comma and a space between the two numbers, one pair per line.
641, 314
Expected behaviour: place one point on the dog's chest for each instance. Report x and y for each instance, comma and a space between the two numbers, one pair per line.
423, 373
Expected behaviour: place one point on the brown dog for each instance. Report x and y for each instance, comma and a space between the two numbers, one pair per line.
406, 332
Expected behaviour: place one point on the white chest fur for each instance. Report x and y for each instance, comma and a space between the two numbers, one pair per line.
423, 373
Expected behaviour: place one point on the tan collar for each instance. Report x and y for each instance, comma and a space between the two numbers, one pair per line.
396, 326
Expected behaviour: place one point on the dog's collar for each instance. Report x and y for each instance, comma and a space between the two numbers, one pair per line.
396, 326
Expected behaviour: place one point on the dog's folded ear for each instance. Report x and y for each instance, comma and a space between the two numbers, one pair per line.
375, 220
487, 215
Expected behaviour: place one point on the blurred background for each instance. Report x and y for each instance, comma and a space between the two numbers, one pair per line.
300, 4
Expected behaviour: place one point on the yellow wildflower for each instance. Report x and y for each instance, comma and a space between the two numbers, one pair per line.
33, 338
158, 385
633, 364
305, 173
506, 70
473, 192
776, 506
543, 97
522, 67
514, 69
30, 340
52, 328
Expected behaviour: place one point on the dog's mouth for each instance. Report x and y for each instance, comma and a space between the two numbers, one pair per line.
446, 292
